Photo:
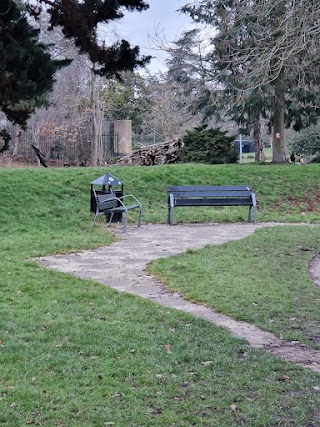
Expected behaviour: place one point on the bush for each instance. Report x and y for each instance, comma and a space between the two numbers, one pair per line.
211, 146
306, 142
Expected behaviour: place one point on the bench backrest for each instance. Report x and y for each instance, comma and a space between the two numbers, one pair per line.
205, 191
205, 195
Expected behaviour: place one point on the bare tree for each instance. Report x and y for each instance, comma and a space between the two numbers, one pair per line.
169, 114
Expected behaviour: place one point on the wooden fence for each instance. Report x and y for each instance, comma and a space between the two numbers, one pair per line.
66, 148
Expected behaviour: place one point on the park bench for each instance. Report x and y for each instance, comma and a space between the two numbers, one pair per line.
109, 204
205, 195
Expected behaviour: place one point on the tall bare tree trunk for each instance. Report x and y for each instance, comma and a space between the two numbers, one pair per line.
97, 120
278, 152
94, 145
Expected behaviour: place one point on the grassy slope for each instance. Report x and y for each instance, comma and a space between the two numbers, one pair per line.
289, 193
75, 353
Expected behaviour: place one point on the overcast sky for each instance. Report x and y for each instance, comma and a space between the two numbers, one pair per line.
162, 19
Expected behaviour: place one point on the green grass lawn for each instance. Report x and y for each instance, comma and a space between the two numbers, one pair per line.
262, 279
76, 353
250, 157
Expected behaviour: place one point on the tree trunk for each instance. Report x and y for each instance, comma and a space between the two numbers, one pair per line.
259, 156
94, 144
278, 153
96, 127
16, 140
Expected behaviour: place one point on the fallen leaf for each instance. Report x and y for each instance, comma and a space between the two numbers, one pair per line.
286, 378
155, 410
234, 409
168, 348
117, 395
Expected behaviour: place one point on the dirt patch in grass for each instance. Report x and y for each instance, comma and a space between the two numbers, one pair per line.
314, 270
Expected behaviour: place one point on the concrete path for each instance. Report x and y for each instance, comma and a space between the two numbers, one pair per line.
122, 267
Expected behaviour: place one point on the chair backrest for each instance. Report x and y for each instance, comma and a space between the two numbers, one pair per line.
105, 201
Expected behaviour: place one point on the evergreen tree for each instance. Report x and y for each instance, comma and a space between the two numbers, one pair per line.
26, 67
266, 53
202, 145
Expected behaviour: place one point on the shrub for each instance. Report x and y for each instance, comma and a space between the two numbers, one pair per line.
306, 142
211, 146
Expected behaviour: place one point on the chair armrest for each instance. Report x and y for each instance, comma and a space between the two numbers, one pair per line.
129, 195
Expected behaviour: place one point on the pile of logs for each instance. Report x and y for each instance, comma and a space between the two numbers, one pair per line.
150, 155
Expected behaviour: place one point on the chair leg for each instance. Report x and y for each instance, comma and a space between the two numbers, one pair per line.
94, 221
125, 221
110, 220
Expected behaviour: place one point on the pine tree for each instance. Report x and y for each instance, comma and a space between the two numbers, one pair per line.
202, 145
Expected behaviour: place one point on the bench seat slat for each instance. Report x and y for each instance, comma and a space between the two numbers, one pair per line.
213, 202
123, 208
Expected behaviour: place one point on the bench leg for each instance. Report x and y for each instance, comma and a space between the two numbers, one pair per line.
139, 218
254, 214
254, 205
170, 219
